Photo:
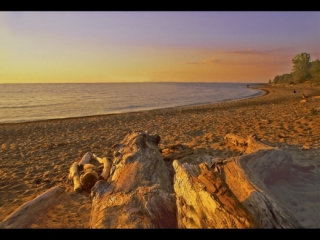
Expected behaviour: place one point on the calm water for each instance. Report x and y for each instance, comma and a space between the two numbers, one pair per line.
30, 102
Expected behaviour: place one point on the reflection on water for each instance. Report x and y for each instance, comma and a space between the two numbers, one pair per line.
28, 102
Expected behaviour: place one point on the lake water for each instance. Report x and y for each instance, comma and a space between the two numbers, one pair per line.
31, 102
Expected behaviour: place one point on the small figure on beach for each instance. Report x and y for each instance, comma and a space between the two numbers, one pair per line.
247, 85
294, 91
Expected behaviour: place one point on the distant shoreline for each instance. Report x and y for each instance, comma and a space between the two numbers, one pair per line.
245, 83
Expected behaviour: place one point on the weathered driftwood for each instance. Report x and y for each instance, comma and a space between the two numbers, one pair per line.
106, 166
233, 193
74, 176
85, 159
249, 145
25, 214
281, 162
205, 201
249, 176
138, 193
89, 176
211, 193
176, 152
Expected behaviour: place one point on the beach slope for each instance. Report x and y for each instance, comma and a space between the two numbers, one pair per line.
36, 156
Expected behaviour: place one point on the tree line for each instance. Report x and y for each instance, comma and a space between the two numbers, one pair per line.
303, 71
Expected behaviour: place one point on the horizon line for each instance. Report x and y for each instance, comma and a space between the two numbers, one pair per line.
126, 82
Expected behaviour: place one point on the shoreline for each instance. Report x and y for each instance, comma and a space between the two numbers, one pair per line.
36, 156
258, 94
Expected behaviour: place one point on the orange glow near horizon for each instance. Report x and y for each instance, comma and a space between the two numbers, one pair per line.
64, 47
70, 64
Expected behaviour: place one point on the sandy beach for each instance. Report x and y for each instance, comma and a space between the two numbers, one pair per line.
36, 156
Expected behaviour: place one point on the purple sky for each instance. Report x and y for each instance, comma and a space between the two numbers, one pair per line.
154, 46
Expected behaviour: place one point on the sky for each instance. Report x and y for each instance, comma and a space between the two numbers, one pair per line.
154, 46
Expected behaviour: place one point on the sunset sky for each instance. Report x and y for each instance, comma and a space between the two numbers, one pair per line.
155, 46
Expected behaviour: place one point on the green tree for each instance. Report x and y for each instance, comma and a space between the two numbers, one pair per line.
301, 65
276, 79
315, 71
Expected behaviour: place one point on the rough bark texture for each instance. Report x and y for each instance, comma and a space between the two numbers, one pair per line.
249, 175
232, 193
210, 193
248, 178
205, 201
138, 193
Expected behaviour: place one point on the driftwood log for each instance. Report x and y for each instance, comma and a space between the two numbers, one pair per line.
84, 175
106, 166
85, 159
233, 193
138, 193
249, 145
135, 189
205, 201
74, 177
263, 166
89, 176
23, 216
249, 176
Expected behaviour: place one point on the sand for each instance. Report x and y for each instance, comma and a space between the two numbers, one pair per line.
36, 156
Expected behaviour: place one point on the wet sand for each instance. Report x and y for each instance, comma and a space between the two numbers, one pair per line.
36, 156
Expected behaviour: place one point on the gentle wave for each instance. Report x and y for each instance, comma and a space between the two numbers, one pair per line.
30, 106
